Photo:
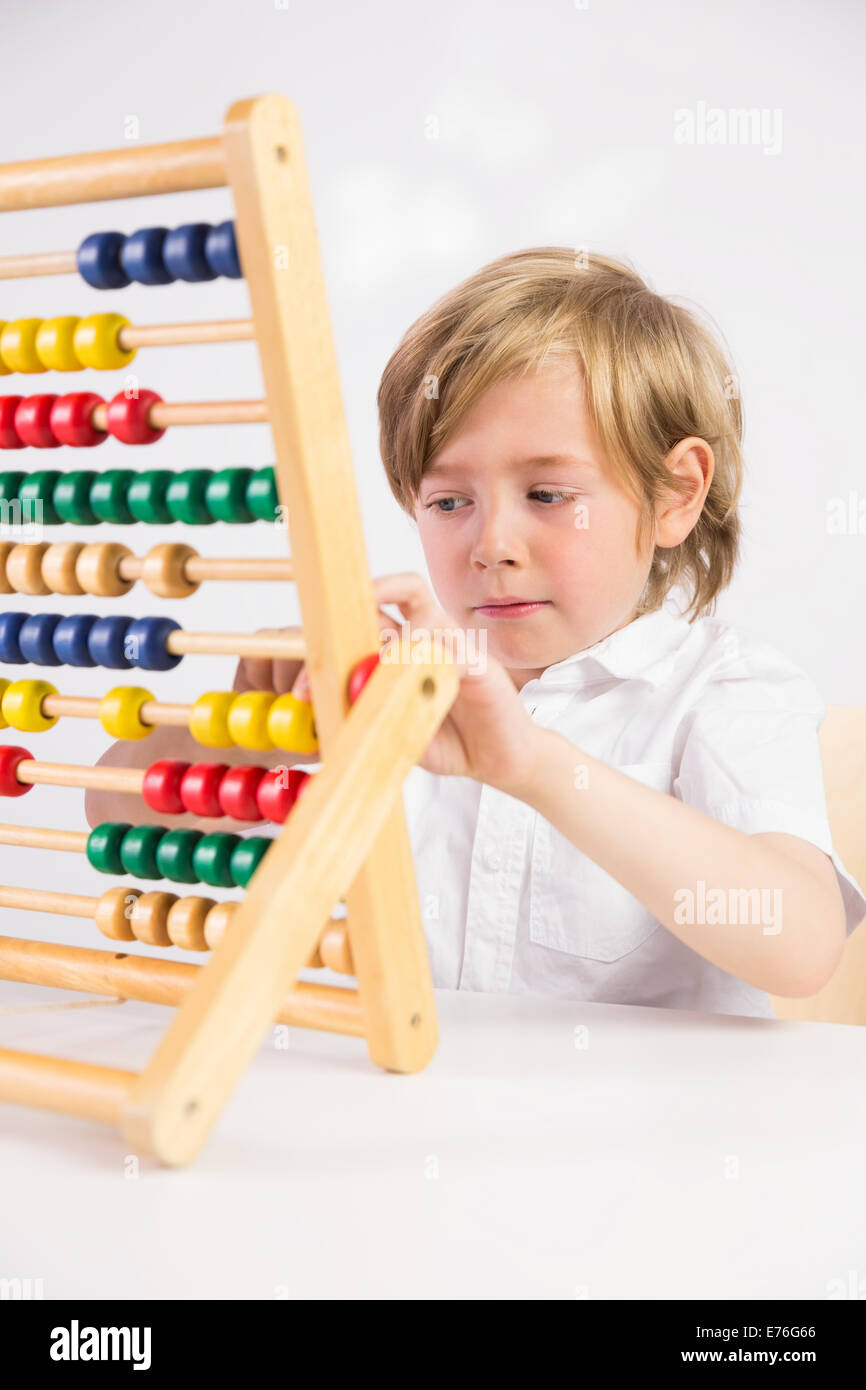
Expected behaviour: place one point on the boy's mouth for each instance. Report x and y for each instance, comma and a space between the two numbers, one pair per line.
512, 608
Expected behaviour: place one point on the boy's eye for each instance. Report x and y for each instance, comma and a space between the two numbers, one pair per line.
550, 497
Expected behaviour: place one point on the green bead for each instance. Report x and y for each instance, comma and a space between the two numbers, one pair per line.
186, 497
108, 496
72, 497
247, 856
103, 846
146, 496
138, 850
39, 487
225, 495
9, 485
175, 853
262, 498
211, 859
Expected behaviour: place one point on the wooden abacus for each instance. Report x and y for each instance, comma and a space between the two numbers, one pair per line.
346, 835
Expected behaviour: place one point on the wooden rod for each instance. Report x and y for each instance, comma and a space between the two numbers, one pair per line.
162, 415
43, 900
198, 568
284, 648
114, 779
133, 172
73, 1088
201, 567
38, 263
41, 837
83, 707
156, 980
180, 334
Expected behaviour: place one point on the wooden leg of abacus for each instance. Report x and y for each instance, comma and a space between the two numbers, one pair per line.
279, 249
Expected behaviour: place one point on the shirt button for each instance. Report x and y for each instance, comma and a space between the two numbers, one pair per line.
492, 859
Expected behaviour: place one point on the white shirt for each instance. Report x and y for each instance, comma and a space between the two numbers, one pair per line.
715, 716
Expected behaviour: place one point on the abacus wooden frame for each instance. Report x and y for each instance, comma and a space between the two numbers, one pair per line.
347, 835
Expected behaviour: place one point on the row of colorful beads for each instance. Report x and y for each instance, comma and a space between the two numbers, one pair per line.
46, 421
158, 497
64, 344
82, 639
172, 787
157, 256
258, 719
219, 859
71, 567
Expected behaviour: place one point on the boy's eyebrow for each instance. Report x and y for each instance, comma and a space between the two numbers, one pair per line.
436, 469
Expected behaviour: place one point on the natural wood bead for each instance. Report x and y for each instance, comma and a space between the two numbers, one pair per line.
97, 569
334, 950
186, 923
217, 922
112, 912
24, 568
58, 567
149, 919
164, 571
6, 548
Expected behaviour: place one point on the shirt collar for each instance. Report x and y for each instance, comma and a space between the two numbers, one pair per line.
645, 649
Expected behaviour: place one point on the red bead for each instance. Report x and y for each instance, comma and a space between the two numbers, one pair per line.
361, 673
9, 437
161, 786
200, 786
237, 792
33, 422
278, 791
127, 418
10, 757
70, 419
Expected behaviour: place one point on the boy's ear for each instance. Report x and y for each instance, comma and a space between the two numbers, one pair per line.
692, 462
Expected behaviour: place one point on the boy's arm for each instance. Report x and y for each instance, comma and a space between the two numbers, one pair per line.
656, 846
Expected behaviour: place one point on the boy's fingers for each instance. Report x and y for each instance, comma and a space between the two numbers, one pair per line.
301, 687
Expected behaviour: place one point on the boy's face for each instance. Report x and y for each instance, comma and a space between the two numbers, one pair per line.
494, 524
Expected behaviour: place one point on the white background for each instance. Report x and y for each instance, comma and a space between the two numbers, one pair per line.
437, 138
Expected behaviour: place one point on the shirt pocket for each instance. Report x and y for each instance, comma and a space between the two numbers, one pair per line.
575, 906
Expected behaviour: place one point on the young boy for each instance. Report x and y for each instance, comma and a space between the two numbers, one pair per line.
627, 804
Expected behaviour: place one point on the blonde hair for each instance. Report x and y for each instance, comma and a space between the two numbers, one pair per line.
654, 375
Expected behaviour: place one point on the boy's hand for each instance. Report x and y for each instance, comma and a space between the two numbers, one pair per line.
487, 734
261, 673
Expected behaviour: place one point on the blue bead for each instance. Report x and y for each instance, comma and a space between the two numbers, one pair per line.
70, 639
105, 642
10, 626
183, 252
98, 259
36, 639
141, 256
146, 643
221, 251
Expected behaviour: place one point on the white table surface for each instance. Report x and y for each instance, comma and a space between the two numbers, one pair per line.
676, 1155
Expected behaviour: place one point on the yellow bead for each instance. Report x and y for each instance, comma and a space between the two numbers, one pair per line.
120, 712
248, 719
18, 346
22, 706
96, 342
4, 370
291, 725
4, 686
55, 344
209, 718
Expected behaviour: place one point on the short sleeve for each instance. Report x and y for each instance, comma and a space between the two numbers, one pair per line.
750, 757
